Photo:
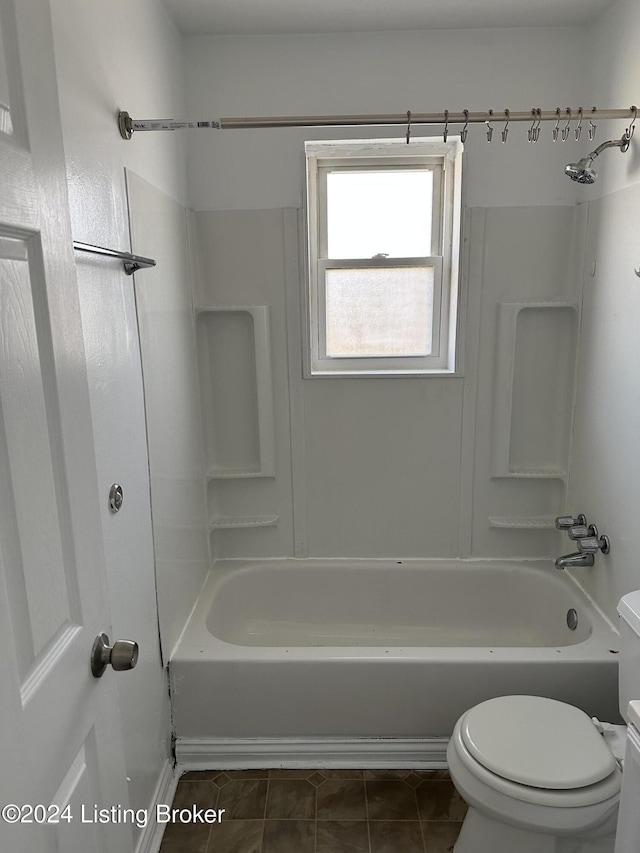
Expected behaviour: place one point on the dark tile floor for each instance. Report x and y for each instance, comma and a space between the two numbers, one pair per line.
318, 811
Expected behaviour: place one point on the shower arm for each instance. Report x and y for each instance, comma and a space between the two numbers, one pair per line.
622, 144
128, 125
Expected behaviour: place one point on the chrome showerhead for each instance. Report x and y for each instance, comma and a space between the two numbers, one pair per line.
583, 171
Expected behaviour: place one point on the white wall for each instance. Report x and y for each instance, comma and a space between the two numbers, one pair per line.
378, 73
127, 55
380, 467
606, 460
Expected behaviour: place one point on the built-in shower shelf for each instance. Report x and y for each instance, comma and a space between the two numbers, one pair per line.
235, 474
533, 389
227, 522
523, 522
234, 353
533, 474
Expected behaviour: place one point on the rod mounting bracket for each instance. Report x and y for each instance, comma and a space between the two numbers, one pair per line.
125, 124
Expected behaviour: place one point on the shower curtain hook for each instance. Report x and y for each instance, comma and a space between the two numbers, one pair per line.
445, 132
536, 132
556, 129
631, 129
489, 126
408, 126
565, 129
592, 127
578, 129
533, 133
465, 129
505, 131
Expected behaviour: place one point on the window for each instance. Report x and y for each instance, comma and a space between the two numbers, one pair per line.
383, 224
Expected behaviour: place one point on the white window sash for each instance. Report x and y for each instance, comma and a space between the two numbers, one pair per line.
381, 165
321, 362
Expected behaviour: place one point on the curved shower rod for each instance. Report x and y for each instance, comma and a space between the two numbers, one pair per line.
128, 126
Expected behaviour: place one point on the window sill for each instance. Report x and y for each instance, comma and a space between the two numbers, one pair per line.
383, 374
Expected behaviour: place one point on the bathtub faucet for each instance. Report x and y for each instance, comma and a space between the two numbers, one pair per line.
588, 542
577, 559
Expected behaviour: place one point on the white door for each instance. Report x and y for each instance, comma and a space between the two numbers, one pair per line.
61, 749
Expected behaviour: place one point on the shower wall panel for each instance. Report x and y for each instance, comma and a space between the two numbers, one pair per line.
529, 273
241, 266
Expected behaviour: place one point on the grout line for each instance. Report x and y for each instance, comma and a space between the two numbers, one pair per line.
424, 842
264, 816
366, 809
315, 837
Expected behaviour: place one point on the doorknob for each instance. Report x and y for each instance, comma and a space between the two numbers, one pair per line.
122, 655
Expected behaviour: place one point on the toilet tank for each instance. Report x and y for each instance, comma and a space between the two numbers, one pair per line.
629, 672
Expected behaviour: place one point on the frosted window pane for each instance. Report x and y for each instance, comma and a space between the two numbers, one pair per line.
378, 312
370, 213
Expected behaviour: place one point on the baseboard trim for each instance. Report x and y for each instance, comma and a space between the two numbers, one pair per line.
351, 753
151, 836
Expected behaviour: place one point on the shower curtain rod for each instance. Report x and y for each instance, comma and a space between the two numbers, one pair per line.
128, 125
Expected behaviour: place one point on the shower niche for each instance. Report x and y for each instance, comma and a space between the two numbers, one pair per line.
533, 397
234, 360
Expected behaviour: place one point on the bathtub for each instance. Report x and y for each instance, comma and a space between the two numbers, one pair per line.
287, 662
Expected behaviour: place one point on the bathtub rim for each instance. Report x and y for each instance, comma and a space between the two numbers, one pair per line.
601, 644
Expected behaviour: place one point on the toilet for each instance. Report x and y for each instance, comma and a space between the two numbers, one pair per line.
538, 774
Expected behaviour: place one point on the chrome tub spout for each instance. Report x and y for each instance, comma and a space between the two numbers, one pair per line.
577, 559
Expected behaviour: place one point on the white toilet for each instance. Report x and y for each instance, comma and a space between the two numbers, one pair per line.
537, 774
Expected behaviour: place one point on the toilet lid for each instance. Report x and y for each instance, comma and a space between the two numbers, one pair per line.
537, 741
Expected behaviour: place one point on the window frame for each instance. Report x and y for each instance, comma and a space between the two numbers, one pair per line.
445, 161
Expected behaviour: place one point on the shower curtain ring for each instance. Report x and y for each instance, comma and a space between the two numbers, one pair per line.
465, 129
578, 129
489, 126
445, 132
592, 126
408, 126
565, 129
505, 131
556, 129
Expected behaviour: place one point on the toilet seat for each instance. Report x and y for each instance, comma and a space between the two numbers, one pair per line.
557, 812
537, 742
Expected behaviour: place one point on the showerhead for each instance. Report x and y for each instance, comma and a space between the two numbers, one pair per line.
583, 171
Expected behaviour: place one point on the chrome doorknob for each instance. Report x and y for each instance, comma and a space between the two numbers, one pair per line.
122, 655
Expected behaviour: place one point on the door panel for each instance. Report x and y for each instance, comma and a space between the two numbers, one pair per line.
60, 739
43, 596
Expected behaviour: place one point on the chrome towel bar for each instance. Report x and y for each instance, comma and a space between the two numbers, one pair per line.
132, 263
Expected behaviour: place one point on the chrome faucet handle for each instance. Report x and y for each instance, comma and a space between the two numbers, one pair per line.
593, 544
564, 522
588, 545
579, 531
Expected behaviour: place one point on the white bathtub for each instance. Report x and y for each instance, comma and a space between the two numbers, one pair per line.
318, 650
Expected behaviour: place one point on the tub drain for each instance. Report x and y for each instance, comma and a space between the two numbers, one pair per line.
572, 619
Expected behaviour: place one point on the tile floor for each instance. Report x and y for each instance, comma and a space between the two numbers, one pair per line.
319, 811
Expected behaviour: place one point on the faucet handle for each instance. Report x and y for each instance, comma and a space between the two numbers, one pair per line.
580, 531
588, 545
564, 522
593, 544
